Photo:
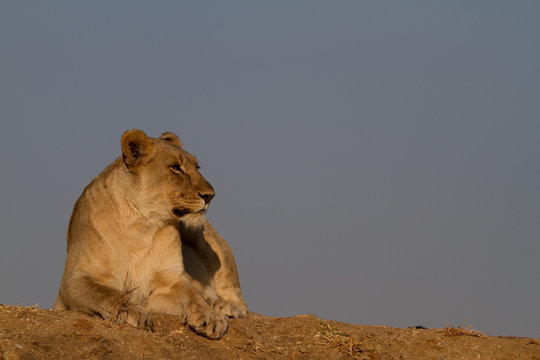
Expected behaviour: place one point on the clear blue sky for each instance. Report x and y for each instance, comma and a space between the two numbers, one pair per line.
375, 162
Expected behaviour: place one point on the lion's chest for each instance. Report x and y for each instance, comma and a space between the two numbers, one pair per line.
145, 259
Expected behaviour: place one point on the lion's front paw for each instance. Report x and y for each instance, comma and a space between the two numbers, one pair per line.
134, 315
228, 308
208, 323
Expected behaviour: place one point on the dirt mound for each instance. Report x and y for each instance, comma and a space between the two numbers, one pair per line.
31, 333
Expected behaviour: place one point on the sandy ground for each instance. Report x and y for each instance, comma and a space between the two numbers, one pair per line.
28, 333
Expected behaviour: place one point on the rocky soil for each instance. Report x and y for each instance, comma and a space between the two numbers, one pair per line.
28, 333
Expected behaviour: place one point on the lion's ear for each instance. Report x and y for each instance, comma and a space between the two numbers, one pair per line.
171, 137
135, 147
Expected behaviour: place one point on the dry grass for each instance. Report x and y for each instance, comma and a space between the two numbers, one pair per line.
346, 344
121, 305
462, 331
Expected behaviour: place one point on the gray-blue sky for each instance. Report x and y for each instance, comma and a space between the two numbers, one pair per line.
375, 162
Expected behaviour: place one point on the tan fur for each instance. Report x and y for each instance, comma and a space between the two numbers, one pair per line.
138, 242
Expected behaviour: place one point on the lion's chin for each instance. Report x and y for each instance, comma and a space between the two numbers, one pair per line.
193, 220
190, 219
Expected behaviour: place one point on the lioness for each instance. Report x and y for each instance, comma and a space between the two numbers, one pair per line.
138, 242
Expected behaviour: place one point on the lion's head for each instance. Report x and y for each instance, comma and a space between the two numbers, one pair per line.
167, 177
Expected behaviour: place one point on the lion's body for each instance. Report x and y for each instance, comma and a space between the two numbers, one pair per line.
138, 242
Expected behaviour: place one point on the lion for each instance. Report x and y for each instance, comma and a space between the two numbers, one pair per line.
138, 242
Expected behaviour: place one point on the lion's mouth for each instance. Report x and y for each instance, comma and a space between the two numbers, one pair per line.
182, 212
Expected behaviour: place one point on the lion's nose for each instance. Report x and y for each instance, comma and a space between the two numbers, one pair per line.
207, 197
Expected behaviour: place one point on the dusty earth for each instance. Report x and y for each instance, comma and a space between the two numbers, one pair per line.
28, 333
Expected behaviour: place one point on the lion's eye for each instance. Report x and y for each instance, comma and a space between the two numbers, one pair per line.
176, 168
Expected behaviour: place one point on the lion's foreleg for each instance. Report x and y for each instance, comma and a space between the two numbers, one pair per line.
182, 299
88, 295
225, 279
